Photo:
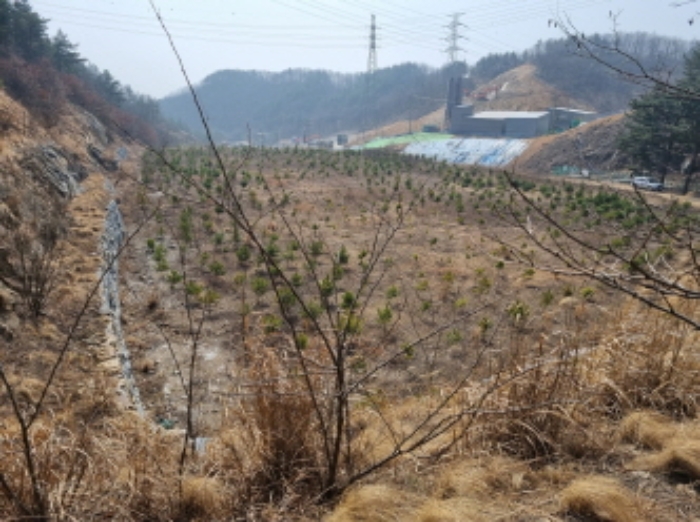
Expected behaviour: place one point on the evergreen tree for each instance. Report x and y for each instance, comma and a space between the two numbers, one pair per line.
5, 26
64, 54
109, 88
662, 131
690, 102
653, 134
29, 38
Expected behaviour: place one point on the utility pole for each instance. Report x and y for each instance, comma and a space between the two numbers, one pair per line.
372, 59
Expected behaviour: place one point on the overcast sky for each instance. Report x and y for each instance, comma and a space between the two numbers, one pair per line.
124, 37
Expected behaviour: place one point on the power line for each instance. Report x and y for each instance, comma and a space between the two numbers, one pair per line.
322, 43
403, 31
493, 14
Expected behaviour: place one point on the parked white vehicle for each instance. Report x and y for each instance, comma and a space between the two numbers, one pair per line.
646, 183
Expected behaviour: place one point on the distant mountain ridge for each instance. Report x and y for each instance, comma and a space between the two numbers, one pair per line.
301, 103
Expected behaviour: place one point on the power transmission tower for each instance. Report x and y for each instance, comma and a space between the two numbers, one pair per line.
453, 39
372, 59
454, 92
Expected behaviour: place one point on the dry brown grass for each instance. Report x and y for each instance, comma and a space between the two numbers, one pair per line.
203, 498
680, 458
488, 490
547, 410
269, 450
243, 463
124, 469
378, 503
649, 429
676, 445
385, 504
603, 499
647, 361
485, 478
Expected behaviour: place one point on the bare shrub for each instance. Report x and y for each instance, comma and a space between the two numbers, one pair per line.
272, 452
29, 262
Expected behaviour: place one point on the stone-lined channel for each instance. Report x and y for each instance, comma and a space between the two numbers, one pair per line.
112, 239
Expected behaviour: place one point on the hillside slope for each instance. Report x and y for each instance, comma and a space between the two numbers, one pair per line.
592, 147
55, 187
521, 89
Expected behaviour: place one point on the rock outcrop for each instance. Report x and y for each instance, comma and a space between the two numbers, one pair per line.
51, 165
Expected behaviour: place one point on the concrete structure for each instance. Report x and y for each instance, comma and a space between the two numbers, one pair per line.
460, 116
525, 124
515, 124
499, 124
455, 94
563, 118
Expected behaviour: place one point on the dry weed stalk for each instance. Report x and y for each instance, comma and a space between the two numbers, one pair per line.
268, 451
649, 362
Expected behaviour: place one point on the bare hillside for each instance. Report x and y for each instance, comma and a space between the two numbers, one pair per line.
521, 90
592, 146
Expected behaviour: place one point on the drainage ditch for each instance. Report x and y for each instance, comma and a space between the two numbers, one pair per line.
112, 240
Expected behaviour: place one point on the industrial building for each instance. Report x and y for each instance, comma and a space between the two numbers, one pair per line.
514, 124
563, 118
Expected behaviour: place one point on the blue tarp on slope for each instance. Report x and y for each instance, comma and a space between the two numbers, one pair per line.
470, 151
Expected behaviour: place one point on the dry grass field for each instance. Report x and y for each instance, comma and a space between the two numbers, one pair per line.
353, 337
531, 373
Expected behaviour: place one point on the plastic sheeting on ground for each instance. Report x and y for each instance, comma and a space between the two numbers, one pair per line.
470, 151
405, 139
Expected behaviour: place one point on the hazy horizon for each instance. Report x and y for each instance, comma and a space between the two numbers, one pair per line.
274, 35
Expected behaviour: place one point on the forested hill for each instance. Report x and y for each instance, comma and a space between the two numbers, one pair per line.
272, 106
301, 103
47, 74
